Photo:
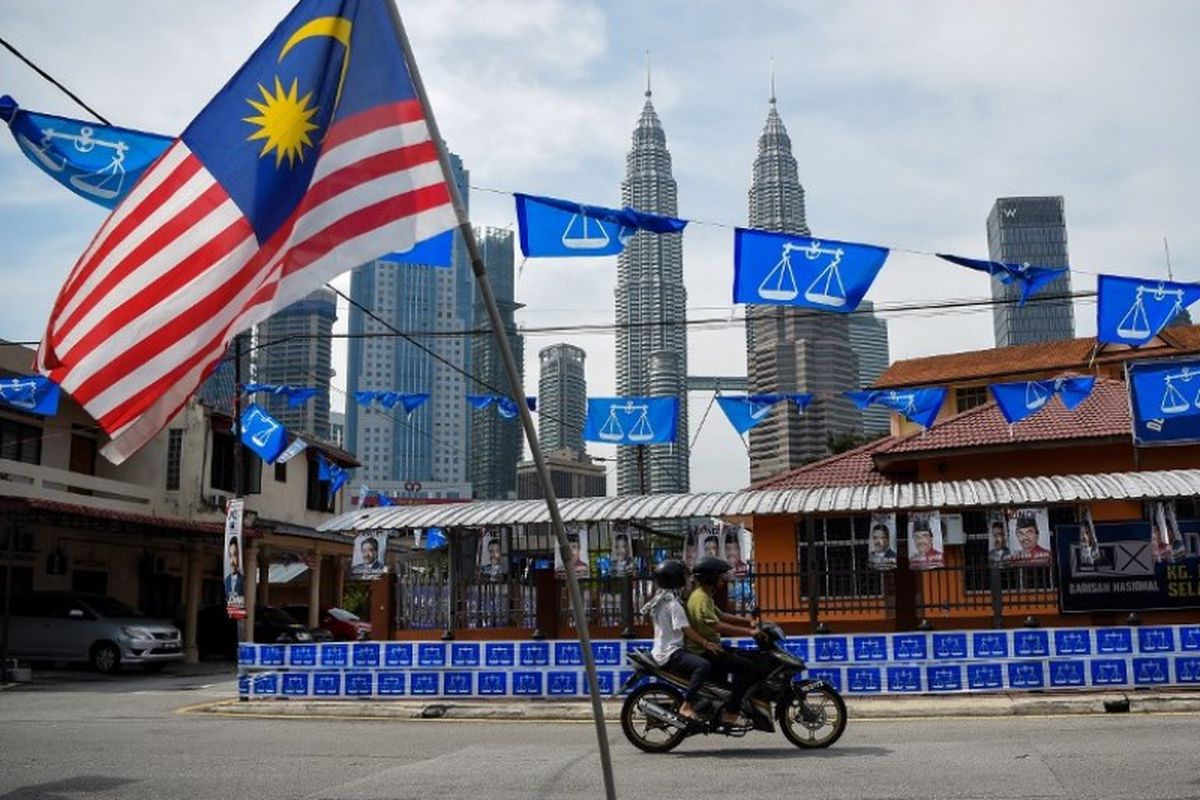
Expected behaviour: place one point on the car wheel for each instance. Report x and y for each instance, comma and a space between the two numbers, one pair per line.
106, 658
154, 667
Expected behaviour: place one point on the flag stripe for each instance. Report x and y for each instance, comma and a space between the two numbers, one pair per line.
372, 119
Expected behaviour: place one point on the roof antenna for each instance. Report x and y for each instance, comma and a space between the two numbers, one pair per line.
647, 72
772, 80
1167, 250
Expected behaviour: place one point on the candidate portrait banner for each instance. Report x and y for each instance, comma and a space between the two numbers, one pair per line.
369, 558
999, 552
925, 544
881, 542
622, 560
1029, 537
631, 420
493, 561
783, 269
233, 565
577, 541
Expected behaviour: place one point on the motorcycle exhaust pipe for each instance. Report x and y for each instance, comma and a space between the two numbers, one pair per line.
661, 714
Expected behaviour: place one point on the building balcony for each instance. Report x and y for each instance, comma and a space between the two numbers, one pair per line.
19, 479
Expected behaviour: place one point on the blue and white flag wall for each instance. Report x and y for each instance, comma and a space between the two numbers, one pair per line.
296, 395
98, 162
410, 402
1030, 279
1023, 399
549, 227
1133, 311
917, 404
746, 411
859, 664
33, 394
631, 420
781, 269
263, 434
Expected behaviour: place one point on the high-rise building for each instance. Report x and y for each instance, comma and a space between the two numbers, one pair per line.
431, 445
337, 428
572, 474
651, 309
1030, 230
562, 397
793, 349
869, 338
495, 442
295, 348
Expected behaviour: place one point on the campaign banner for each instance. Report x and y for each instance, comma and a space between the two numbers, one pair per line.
738, 550
925, 545
493, 561
577, 540
1029, 537
1164, 397
234, 577
369, 557
1114, 568
621, 559
999, 552
882, 542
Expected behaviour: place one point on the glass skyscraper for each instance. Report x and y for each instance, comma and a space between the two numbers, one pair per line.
562, 398
295, 348
1030, 230
430, 446
869, 338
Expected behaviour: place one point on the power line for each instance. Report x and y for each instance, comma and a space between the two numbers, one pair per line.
8, 46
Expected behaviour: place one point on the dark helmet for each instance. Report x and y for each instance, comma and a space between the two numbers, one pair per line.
670, 574
711, 568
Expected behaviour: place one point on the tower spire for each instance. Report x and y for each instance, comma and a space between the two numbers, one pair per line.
647, 72
772, 100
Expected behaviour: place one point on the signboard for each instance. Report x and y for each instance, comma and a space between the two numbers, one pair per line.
1115, 568
235, 579
1163, 401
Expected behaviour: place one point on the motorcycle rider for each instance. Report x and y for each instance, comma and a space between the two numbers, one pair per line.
711, 623
671, 628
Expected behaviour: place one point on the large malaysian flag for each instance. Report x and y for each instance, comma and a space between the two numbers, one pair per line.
313, 159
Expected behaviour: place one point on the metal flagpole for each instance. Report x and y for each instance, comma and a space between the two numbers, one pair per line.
514, 380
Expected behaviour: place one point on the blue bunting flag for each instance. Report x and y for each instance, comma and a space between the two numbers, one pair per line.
1029, 278
553, 227
918, 404
1023, 399
1133, 311
782, 269
631, 420
34, 394
263, 434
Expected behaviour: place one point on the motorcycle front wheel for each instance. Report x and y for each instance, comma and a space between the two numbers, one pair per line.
812, 718
646, 732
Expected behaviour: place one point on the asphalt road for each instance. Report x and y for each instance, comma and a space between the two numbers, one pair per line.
81, 736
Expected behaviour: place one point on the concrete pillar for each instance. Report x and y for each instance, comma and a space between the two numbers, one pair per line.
339, 580
264, 575
314, 590
250, 552
191, 607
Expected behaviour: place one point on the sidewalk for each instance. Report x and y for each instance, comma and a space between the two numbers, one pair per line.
859, 708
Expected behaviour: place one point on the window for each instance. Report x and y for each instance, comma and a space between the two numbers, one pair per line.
20, 442
221, 473
969, 397
841, 558
281, 472
319, 497
174, 458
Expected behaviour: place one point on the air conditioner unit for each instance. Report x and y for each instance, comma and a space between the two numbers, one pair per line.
217, 501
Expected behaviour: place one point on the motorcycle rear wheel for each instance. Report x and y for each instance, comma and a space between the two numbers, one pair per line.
645, 732
812, 719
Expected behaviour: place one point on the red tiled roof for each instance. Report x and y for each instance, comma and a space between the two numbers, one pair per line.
1103, 415
1028, 359
851, 468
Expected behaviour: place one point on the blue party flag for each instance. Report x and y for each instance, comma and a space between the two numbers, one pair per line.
294, 449
98, 162
631, 420
505, 407
1023, 399
786, 270
34, 394
296, 395
746, 411
1165, 389
1029, 278
552, 227
331, 473
918, 404
263, 434
1133, 311
435, 538
435, 252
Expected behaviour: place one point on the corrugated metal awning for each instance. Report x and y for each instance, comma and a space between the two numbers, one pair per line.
827, 500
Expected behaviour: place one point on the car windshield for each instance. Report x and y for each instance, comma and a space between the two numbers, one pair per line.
342, 615
109, 607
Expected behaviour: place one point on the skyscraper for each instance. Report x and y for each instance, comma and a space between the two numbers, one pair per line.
431, 445
296, 348
1030, 230
495, 442
793, 349
651, 311
869, 338
562, 398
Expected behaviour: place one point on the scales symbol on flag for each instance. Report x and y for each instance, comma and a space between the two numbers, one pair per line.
1135, 325
827, 289
1174, 401
265, 427
20, 393
612, 430
104, 183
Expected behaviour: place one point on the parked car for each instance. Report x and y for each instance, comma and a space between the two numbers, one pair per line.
217, 634
344, 626
102, 631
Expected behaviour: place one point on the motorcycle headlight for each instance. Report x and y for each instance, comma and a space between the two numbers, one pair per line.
303, 636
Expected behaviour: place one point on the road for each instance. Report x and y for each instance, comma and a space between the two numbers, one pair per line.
88, 737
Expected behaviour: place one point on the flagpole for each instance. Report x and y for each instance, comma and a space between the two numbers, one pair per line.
516, 387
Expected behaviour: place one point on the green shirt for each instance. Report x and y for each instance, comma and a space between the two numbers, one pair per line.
702, 616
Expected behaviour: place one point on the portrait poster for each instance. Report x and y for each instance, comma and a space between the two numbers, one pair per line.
622, 561
1029, 537
368, 560
881, 542
999, 553
493, 561
737, 548
234, 569
577, 541
925, 545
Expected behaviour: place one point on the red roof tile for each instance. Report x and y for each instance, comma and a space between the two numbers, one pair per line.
851, 468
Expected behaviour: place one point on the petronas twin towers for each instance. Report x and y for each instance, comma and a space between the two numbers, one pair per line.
787, 349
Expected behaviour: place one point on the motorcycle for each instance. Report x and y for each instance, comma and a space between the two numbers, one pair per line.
810, 712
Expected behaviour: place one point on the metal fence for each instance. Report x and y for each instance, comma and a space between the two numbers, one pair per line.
424, 602
607, 601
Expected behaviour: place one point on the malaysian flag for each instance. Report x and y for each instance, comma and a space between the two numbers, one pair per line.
315, 158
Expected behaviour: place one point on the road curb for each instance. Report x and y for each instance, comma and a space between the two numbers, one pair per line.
875, 708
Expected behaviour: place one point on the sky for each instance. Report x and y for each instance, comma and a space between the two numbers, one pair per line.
907, 119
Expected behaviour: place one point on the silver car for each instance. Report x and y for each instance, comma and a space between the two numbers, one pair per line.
103, 631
